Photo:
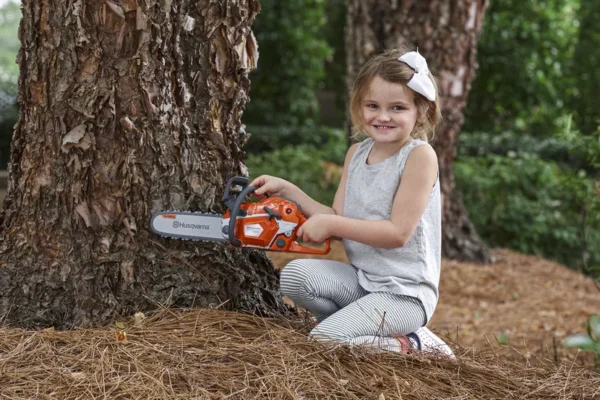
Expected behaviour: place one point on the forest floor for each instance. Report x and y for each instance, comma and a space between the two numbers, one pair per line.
520, 306
505, 321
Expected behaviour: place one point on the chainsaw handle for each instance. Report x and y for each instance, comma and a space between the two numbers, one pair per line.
296, 247
235, 210
228, 197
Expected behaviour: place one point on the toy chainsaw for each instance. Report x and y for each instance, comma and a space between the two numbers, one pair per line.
270, 224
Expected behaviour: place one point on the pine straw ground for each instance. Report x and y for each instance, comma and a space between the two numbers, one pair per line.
215, 354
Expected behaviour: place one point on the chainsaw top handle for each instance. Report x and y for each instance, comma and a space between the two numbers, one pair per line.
233, 201
230, 196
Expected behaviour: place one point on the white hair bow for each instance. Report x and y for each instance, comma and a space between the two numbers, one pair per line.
420, 82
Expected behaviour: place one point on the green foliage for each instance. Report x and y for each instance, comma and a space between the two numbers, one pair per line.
534, 206
589, 342
291, 63
588, 145
307, 166
585, 68
553, 148
269, 138
503, 339
524, 56
302, 165
10, 15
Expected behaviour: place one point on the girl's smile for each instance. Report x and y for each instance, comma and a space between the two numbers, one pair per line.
383, 127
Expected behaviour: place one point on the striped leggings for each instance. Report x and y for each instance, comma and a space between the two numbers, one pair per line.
346, 312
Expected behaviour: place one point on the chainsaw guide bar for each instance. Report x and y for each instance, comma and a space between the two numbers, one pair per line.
189, 225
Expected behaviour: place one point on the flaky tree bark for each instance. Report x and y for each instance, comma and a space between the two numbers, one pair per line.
446, 33
127, 107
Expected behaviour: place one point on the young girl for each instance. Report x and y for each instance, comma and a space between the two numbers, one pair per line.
387, 212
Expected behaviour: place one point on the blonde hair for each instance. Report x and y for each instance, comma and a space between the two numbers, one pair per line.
388, 68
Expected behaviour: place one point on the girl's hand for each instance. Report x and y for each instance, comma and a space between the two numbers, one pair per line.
315, 229
269, 186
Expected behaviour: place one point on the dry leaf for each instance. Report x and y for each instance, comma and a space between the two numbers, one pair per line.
343, 382
120, 324
139, 317
121, 336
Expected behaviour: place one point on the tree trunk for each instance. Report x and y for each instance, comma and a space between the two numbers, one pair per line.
446, 33
127, 107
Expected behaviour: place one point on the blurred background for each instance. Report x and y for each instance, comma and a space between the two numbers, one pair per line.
525, 168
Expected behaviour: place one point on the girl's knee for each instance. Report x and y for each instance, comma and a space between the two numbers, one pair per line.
292, 278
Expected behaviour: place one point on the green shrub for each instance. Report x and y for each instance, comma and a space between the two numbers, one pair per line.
269, 138
532, 205
589, 145
305, 166
556, 149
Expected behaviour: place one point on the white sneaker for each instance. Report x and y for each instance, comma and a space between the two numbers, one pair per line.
425, 340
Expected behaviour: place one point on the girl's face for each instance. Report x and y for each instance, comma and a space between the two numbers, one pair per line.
389, 112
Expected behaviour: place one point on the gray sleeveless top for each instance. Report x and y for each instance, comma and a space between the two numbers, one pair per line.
413, 269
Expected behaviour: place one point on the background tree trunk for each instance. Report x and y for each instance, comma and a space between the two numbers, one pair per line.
446, 33
127, 107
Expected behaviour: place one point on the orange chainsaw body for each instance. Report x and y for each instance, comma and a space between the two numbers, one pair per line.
271, 224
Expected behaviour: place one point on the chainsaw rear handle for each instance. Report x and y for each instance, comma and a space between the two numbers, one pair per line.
235, 208
296, 247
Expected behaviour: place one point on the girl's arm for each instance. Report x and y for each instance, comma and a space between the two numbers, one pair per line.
418, 179
267, 185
